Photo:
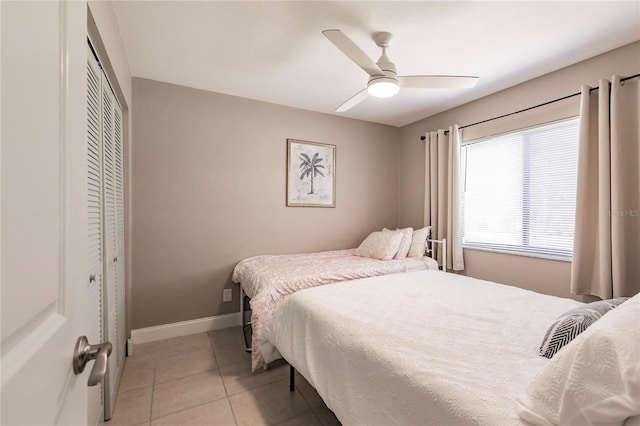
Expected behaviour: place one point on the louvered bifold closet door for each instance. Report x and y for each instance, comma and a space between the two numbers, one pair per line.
110, 243
119, 231
94, 223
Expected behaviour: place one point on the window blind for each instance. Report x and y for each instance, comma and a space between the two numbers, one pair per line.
518, 191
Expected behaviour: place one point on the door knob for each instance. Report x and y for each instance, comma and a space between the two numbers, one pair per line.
84, 352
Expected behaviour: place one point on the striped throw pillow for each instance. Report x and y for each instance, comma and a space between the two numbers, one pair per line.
574, 322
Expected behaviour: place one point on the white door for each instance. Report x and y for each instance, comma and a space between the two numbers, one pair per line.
44, 265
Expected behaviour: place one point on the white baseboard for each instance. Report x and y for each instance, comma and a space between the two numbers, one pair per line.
184, 328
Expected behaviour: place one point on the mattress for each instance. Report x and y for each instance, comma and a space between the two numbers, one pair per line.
426, 347
267, 280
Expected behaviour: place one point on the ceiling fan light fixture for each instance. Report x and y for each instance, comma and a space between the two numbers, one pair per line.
383, 87
384, 81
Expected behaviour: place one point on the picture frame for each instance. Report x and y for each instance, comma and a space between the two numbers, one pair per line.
311, 174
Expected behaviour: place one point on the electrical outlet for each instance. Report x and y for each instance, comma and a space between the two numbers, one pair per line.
226, 295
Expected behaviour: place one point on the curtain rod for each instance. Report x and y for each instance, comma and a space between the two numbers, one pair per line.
423, 137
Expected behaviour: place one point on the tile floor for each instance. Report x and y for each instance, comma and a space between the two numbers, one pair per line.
206, 379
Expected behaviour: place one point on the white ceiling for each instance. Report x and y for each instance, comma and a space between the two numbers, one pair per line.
275, 52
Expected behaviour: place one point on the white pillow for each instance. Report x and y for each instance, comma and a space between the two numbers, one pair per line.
405, 243
380, 245
593, 380
419, 242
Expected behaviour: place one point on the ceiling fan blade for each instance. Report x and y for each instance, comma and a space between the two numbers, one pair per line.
353, 101
353, 52
438, 81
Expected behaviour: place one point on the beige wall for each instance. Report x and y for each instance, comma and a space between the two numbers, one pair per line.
209, 190
208, 187
545, 276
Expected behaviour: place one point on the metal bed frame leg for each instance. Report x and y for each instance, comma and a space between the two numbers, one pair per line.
247, 348
292, 378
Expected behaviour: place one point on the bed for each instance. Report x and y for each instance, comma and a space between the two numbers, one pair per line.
425, 347
267, 280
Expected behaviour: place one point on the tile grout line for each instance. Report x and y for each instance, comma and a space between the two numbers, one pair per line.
188, 375
166, 357
267, 384
198, 405
213, 352
317, 417
271, 379
233, 413
204, 403
213, 349
191, 408
153, 387
304, 400
313, 409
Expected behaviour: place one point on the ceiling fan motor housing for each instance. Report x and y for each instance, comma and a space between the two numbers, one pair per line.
383, 40
390, 76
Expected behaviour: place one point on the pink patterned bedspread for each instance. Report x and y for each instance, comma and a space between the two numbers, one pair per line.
267, 280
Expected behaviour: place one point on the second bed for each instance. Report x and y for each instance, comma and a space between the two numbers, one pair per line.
267, 280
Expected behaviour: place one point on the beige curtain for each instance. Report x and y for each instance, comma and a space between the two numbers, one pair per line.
442, 190
606, 252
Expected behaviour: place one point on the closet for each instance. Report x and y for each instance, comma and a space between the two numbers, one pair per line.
105, 226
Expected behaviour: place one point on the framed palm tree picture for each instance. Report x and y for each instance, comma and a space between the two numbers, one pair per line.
311, 174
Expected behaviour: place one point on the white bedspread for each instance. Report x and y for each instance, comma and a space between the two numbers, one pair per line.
267, 280
423, 348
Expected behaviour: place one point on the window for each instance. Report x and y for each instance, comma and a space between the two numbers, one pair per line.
518, 190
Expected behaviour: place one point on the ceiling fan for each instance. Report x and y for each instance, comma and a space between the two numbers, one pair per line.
384, 81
